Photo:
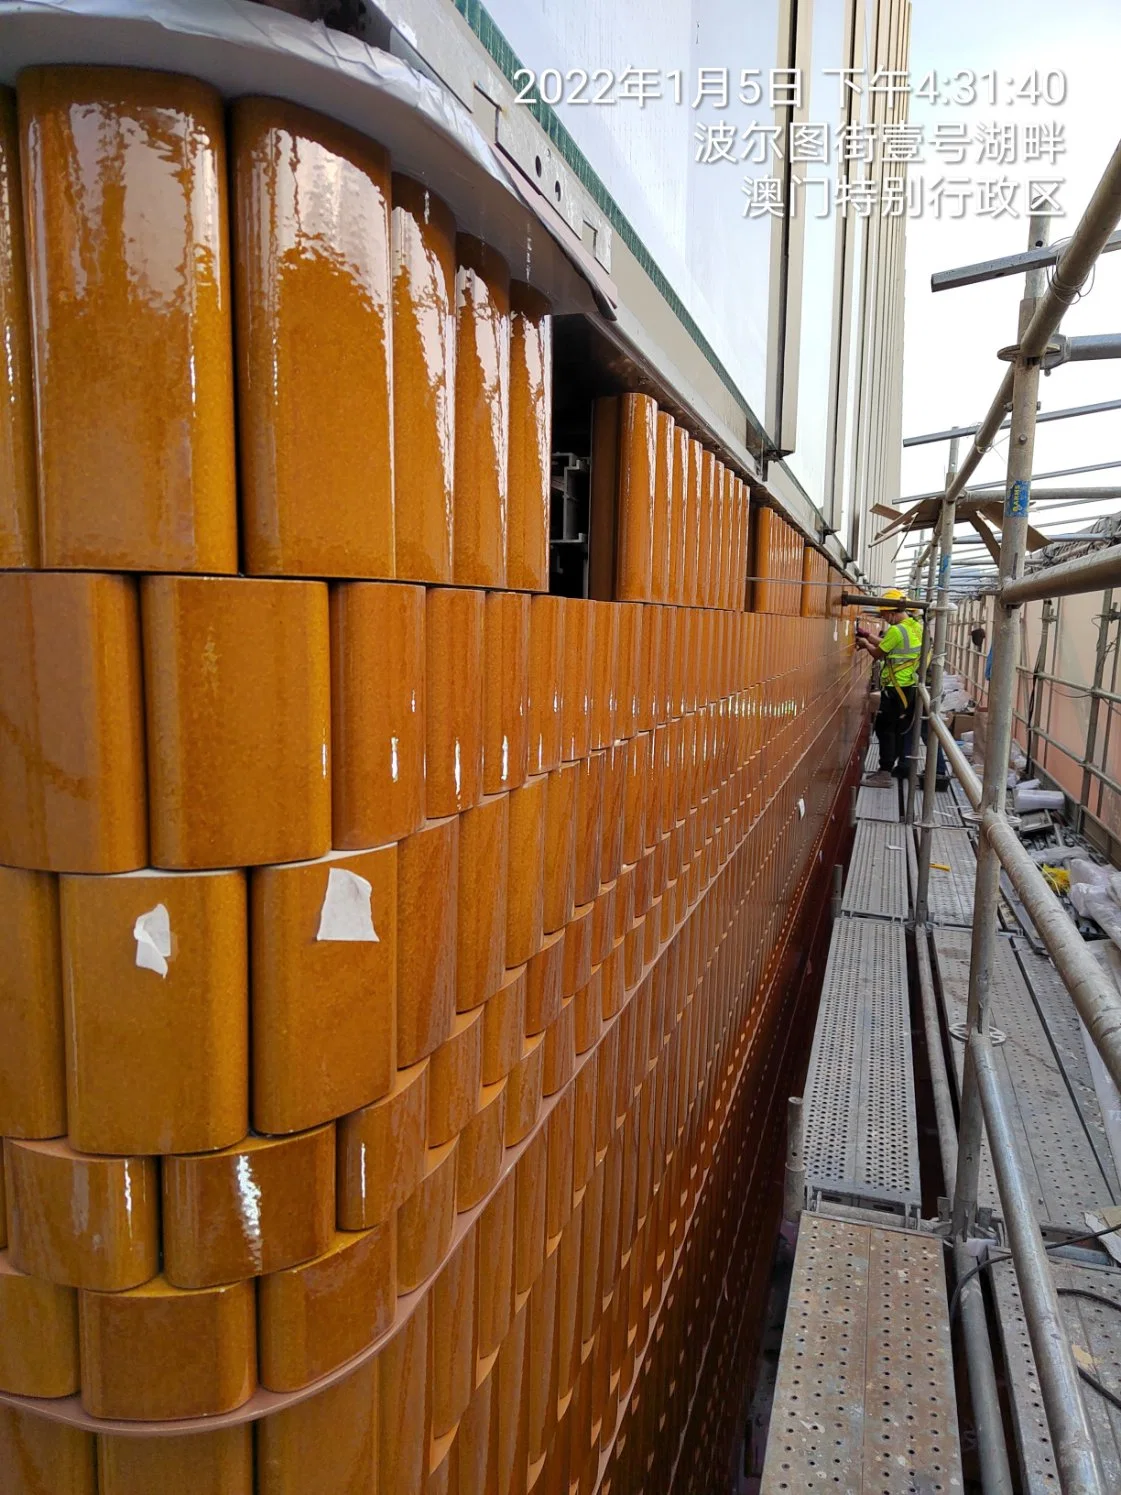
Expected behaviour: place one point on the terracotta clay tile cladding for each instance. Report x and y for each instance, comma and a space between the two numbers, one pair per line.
531, 424
454, 698
217, 1463
19, 523
72, 794
316, 1316
130, 314
482, 414
377, 714
32, 1058
157, 1353
424, 270
80, 1220
46, 1458
327, 1445
39, 1345
407, 1003
236, 683
324, 990
157, 1050
314, 325
262, 1206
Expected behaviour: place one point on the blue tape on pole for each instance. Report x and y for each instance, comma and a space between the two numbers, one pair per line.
1019, 497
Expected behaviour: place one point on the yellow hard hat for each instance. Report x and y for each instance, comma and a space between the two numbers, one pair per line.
895, 594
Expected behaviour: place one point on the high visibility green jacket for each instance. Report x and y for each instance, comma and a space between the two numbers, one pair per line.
902, 644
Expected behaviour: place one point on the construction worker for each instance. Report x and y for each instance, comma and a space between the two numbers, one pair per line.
899, 651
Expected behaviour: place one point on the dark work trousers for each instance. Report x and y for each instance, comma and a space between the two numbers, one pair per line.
893, 723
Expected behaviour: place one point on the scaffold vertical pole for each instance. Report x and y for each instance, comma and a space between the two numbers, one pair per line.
1066, 1415
947, 516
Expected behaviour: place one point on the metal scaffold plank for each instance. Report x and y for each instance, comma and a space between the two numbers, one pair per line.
1094, 1330
877, 876
1062, 1166
946, 810
950, 897
877, 804
1060, 1020
865, 1396
861, 1135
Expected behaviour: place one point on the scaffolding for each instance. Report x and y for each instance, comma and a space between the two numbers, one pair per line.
984, 1102
1022, 1147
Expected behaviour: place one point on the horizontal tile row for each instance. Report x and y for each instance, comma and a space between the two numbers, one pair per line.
204, 722
393, 383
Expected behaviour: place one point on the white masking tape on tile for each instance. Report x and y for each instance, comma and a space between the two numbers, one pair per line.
346, 912
152, 933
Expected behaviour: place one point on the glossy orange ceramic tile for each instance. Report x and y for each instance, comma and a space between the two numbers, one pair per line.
531, 1175
482, 414
377, 714
72, 794
523, 1091
480, 1153
237, 691
404, 1405
454, 703
326, 1445
19, 525
484, 833
80, 1220
629, 670
494, 1293
39, 1344
157, 1011
311, 227
324, 989
32, 1059
525, 875
679, 537
426, 1219
503, 1025
546, 675
40, 1457
576, 680
638, 420
454, 1335
427, 921
259, 1207
128, 265
707, 529
531, 411
156, 1352
663, 500
505, 691
315, 1317
381, 1152
217, 1463
614, 791
560, 847
589, 824
455, 1074
545, 983
605, 670
424, 268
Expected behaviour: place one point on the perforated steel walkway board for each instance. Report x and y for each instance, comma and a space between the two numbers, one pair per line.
872, 757
877, 804
877, 878
1095, 1334
946, 811
950, 899
1061, 1164
861, 1142
865, 1395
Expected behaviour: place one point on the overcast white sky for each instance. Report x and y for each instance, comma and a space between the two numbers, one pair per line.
950, 371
